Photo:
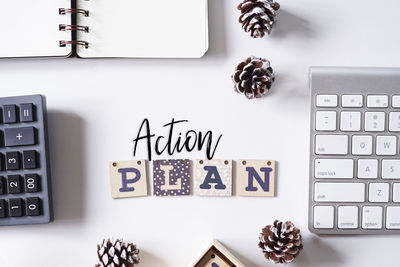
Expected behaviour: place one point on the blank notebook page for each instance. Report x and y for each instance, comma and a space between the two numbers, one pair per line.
30, 28
144, 28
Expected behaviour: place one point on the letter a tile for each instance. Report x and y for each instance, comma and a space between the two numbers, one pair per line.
256, 178
128, 178
171, 177
213, 177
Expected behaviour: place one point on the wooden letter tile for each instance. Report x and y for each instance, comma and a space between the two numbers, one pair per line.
213, 177
256, 178
128, 178
171, 177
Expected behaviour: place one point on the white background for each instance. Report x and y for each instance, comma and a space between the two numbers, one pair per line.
96, 106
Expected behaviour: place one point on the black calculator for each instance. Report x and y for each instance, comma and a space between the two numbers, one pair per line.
25, 187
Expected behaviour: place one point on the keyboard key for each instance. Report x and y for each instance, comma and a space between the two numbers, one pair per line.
350, 121
31, 183
331, 144
394, 121
386, 145
323, 217
362, 145
325, 121
396, 192
32, 206
352, 101
339, 192
390, 169
14, 184
372, 217
367, 169
378, 192
29, 159
2, 191
348, 217
327, 100
3, 208
374, 121
377, 101
393, 217
9, 114
334, 168
12, 160
26, 112
396, 101
22, 136
15, 208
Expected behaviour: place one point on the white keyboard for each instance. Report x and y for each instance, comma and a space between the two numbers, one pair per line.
355, 155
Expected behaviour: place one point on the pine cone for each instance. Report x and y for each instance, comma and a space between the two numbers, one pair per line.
253, 77
116, 253
281, 242
258, 16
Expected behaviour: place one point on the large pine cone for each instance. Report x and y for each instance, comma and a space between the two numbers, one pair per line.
258, 16
253, 77
281, 242
116, 253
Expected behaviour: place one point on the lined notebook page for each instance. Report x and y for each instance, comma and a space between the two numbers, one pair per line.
31, 28
143, 28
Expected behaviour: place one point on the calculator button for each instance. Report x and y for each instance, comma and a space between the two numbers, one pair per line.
26, 112
31, 183
352, 101
372, 217
15, 207
327, 100
396, 101
32, 206
325, 121
29, 159
12, 160
14, 184
3, 208
1, 162
9, 114
377, 101
2, 192
22, 136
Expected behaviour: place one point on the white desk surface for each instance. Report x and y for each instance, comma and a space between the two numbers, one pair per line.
96, 106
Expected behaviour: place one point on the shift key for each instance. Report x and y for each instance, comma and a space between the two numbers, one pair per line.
22, 136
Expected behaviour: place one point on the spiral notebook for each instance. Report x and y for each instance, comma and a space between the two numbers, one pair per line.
104, 28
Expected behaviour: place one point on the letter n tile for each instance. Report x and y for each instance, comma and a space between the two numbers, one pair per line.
256, 178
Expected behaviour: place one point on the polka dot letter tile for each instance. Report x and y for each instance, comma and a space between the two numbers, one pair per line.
213, 177
171, 177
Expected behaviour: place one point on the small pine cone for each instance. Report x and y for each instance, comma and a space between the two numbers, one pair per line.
117, 253
281, 242
258, 16
253, 77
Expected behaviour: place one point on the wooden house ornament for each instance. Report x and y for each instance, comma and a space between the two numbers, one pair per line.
216, 255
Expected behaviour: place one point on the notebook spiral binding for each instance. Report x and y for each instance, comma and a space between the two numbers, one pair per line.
64, 27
